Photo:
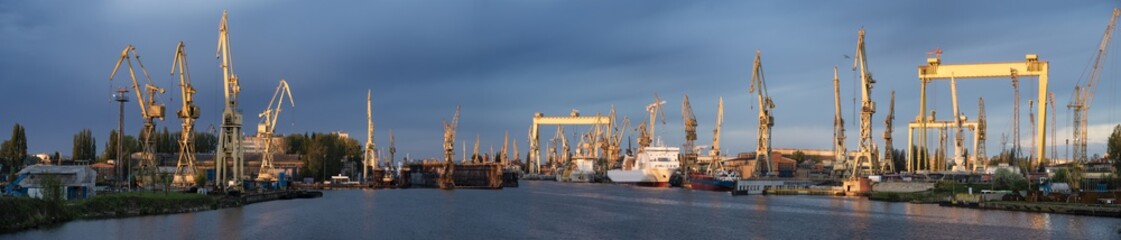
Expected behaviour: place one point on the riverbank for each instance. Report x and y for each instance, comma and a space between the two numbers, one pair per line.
25, 213
1055, 207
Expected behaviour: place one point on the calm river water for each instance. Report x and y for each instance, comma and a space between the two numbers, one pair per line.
549, 210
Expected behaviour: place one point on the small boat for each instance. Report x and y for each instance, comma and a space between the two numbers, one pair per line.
651, 167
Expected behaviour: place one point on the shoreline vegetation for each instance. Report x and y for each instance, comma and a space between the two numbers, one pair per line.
25, 213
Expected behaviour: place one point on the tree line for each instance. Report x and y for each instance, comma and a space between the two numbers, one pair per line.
323, 153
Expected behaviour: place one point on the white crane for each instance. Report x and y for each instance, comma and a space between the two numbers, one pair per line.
1084, 95
185, 170
266, 129
766, 120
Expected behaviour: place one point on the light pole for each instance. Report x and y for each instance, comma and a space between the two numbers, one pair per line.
121, 96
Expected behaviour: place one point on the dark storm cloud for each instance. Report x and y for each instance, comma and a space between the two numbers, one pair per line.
504, 60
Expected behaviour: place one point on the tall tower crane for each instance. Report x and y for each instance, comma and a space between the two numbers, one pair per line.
840, 153
266, 129
889, 150
150, 110
766, 121
1084, 95
230, 149
715, 153
185, 169
475, 157
369, 154
867, 148
690, 122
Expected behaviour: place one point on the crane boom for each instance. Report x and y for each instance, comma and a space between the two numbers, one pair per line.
840, 153
715, 154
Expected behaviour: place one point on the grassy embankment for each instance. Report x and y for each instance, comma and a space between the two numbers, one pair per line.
23, 213
942, 191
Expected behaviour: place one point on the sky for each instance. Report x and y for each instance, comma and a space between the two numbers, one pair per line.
502, 61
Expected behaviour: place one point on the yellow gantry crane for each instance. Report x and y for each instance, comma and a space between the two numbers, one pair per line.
840, 153
766, 120
1084, 95
150, 110
369, 155
230, 150
1031, 66
185, 169
867, 148
266, 129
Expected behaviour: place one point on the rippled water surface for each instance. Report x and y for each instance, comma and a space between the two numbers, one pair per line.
549, 210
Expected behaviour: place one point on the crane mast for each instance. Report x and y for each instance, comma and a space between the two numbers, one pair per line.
369, 155
766, 121
1084, 95
867, 148
266, 129
840, 153
150, 110
185, 169
230, 149
655, 110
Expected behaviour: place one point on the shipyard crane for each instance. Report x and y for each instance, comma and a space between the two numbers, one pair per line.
185, 169
690, 122
980, 137
715, 153
369, 153
475, 158
1084, 95
1031, 66
655, 110
150, 110
266, 129
840, 153
230, 150
766, 120
449, 151
517, 158
392, 146
889, 151
505, 151
959, 131
867, 148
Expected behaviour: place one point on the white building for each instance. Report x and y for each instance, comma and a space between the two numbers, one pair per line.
77, 181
